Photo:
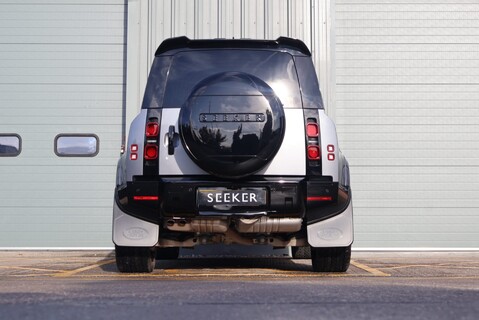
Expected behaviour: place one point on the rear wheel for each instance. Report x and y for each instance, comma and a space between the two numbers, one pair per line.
135, 259
331, 259
167, 253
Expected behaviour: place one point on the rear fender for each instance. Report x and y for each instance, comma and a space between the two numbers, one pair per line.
329, 147
136, 137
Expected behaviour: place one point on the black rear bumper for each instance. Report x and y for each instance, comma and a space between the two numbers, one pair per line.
153, 199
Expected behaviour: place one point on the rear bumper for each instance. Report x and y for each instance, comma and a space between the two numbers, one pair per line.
153, 199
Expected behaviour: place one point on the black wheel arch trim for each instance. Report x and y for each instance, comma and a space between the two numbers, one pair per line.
324, 212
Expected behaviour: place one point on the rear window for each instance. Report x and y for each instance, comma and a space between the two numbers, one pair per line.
172, 79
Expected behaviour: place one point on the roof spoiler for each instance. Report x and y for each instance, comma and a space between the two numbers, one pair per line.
185, 42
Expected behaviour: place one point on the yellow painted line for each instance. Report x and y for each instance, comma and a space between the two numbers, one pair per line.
31, 276
69, 273
27, 268
439, 266
372, 271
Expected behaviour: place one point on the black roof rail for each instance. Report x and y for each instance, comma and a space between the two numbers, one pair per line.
185, 42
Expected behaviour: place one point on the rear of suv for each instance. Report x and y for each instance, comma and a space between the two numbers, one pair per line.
232, 145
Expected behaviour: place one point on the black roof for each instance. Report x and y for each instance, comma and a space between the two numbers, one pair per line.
185, 42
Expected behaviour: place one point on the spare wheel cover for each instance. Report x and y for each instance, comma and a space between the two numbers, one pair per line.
232, 124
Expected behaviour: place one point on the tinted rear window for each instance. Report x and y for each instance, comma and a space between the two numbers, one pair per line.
187, 69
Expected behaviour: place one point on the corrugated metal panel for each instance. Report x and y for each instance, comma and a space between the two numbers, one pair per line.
202, 19
408, 119
150, 22
61, 71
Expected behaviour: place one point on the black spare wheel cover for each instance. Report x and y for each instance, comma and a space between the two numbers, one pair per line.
232, 124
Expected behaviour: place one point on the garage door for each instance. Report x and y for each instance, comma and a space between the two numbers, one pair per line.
61, 102
407, 109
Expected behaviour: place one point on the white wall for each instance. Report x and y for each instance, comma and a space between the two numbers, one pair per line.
407, 112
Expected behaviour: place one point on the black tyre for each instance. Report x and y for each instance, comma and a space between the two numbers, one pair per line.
331, 259
167, 253
135, 259
301, 252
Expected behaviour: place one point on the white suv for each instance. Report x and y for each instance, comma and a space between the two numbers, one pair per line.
232, 145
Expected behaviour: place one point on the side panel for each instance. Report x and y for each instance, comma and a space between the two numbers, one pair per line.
290, 159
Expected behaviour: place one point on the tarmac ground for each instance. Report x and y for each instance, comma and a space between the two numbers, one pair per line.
378, 285
101, 265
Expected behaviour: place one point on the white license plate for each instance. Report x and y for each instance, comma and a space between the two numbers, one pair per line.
244, 197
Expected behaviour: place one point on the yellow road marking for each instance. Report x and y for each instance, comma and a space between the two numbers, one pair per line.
443, 266
69, 273
29, 269
372, 271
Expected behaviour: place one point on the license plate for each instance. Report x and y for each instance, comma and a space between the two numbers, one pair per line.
224, 197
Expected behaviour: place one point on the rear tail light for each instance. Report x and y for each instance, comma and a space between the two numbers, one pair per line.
314, 153
151, 146
313, 147
319, 198
145, 198
152, 129
151, 152
312, 129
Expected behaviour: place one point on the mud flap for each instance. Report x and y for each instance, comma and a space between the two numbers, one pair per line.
333, 232
133, 232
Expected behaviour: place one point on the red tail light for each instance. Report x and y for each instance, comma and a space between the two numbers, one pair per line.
320, 198
312, 129
314, 153
151, 152
145, 198
152, 129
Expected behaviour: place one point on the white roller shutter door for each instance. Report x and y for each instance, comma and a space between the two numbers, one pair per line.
407, 111
61, 72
